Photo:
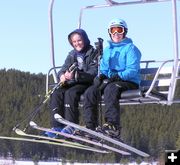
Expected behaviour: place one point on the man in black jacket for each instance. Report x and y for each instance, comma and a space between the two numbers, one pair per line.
75, 76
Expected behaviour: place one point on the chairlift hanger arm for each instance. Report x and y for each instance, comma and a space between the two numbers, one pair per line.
50, 13
111, 3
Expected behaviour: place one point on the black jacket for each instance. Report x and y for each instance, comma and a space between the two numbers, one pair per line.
90, 66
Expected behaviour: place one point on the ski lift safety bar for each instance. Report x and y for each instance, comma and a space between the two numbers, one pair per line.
111, 3
154, 87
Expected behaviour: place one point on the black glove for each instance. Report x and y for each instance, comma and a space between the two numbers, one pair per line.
102, 77
98, 80
103, 85
68, 84
115, 77
83, 77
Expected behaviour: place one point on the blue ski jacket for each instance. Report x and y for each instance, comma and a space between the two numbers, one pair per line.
121, 58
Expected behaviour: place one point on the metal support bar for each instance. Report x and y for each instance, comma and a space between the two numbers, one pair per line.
176, 53
111, 3
50, 12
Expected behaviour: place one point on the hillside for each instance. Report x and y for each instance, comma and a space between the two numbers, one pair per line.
151, 128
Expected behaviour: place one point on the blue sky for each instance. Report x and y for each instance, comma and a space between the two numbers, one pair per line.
25, 38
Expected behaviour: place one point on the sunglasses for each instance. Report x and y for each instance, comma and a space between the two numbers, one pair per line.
119, 30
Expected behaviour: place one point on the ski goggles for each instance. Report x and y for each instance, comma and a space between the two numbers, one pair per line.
119, 30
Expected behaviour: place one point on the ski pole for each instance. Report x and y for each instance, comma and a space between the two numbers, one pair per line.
37, 109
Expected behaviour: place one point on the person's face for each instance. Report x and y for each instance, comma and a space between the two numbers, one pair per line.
117, 37
77, 42
116, 34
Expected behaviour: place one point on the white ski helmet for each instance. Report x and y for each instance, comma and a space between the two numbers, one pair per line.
118, 22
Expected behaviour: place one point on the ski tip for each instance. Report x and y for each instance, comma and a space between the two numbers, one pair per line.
19, 132
105, 152
32, 124
57, 116
146, 155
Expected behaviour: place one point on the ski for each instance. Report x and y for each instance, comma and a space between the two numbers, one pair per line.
22, 133
60, 142
100, 135
45, 142
78, 138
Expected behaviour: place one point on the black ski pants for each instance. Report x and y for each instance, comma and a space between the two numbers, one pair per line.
112, 94
64, 101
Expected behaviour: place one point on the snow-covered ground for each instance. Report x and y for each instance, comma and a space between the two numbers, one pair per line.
11, 162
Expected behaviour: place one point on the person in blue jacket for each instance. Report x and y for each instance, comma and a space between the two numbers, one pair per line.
76, 75
119, 71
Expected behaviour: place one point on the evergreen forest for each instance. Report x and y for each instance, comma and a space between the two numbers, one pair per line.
150, 128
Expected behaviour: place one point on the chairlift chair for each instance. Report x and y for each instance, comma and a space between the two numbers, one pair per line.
158, 84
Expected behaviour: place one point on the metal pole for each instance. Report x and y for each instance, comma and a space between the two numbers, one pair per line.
50, 12
176, 53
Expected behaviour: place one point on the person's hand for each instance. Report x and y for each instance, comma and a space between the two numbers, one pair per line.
62, 78
69, 75
102, 77
115, 77
98, 80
